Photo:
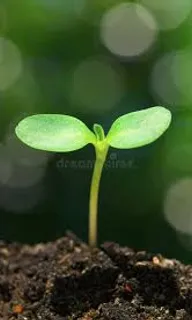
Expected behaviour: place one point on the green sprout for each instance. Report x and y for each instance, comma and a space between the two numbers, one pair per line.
64, 133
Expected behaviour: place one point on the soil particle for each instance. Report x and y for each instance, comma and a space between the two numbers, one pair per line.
66, 280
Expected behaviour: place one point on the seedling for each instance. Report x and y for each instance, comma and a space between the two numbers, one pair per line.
63, 133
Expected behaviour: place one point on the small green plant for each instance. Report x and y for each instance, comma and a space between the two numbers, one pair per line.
63, 133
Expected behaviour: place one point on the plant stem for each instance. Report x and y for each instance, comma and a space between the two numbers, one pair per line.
101, 154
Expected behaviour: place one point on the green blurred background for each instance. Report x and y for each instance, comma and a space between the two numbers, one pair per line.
97, 60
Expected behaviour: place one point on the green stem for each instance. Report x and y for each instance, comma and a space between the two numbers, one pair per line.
101, 154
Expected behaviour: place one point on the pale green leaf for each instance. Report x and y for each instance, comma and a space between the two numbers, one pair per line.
54, 132
139, 128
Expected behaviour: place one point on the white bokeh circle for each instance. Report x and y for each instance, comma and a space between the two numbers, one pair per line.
10, 63
22, 200
168, 13
178, 206
23, 155
21, 167
162, 82
24, 177
182, 74
128, 30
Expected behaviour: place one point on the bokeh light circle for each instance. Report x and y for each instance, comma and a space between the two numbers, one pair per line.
23, 155
182, 74
15, 175
21, 166
171, 78
128, 30
10, 63
178, 206
168, 13
96, 85
23, 177
22, 200
162, 82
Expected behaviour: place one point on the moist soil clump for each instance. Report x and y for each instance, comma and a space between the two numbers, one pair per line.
66, 280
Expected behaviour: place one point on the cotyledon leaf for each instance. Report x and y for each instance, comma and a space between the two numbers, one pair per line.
139, 128
54, 132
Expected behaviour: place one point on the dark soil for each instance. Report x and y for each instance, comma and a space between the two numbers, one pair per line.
66, 280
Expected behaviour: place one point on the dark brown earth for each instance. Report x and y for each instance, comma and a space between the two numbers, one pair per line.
66, 280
